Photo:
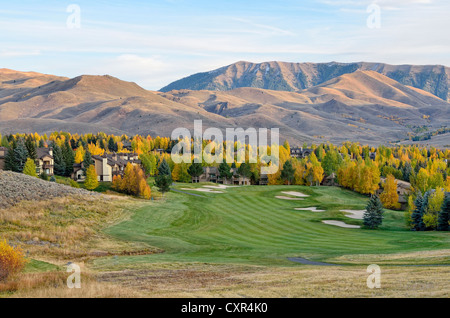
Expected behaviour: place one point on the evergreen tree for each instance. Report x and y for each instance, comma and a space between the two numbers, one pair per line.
30, 168
31, 148
244, 170
41, 143
69, 158
417, 215
20, 156
444, 215
195, 170
87, 161
10, 162
164, 178
373, 217
288, 172
225, 171
112, 145
60, 165
406, 171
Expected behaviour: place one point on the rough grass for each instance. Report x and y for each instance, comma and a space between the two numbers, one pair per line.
200, 280
67, 228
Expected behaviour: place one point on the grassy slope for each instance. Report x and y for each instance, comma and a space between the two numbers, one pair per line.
248, 225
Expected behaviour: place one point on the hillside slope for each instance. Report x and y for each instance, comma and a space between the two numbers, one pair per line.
362, 106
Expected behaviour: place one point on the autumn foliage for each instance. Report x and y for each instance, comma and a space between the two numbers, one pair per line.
12, 260
133, 182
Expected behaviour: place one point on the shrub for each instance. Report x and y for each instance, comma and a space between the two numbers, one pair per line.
12, 260
74, 184
44, 176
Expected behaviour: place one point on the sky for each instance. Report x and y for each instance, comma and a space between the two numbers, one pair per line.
156, 42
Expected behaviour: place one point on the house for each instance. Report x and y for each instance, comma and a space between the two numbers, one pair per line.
299, 152
211, 174
107, 166
3, 151
372, 155
264, 179
78, 173
403, 191
45, 161
127, 145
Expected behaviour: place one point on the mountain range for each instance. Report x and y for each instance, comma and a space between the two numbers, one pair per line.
335, 102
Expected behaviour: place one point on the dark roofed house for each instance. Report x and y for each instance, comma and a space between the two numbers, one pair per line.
299, 152
45, 161
107, 166
3, 152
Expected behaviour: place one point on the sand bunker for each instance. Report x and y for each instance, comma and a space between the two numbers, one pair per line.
296, 194
355, 214
311, 209
287, 198
341, 224
202, 190
219, 186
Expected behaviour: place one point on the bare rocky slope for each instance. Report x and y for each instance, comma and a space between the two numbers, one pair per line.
16, 187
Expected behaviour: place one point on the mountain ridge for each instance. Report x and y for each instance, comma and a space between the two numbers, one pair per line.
290, 76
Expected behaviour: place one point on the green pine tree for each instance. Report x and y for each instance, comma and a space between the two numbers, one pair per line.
244, 170
287, 174
69, 158
225, 171
10, 162
417, 215
20, 156
195, 170
60, 164
164, 178
87, 161
444, 215
373, 217
31, 148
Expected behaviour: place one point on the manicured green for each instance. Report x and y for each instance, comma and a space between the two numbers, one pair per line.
248, 225
40, 266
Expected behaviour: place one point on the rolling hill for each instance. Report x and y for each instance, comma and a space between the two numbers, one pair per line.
363, 106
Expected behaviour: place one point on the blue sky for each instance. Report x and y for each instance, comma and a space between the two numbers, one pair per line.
156, 42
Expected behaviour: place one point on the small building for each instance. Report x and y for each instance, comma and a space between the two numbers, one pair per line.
300, 152
107, 166
3, 152
264, 179
211, 174
403, 191
45, 162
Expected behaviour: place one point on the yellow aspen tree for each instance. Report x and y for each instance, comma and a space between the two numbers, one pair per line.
79, 155
91, 178
389, 197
